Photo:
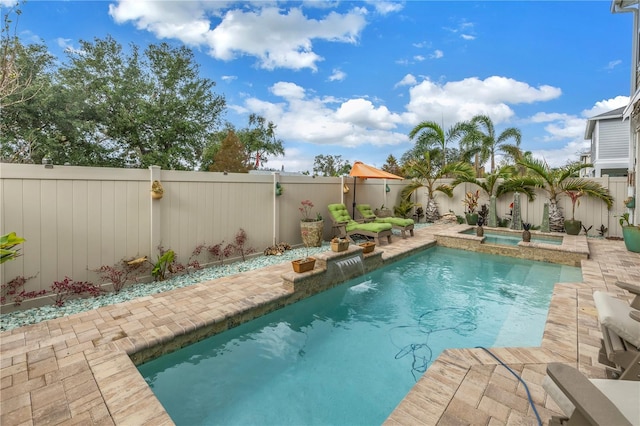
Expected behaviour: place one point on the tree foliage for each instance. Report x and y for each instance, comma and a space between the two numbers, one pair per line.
107, 107
231, 157
392, 166
259, 140
330, 165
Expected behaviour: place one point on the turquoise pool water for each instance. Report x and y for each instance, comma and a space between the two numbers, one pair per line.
513, 240
349, 355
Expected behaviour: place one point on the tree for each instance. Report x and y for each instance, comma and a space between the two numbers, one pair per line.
431, 135
480, 140
330, 165
392, 166
563, 180
260, 141
142, 109
492, 187
426, 175
231, 157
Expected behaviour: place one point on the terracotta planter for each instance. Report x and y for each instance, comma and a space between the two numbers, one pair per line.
368, 247
339, 246
303, 265
312, 233
572, 227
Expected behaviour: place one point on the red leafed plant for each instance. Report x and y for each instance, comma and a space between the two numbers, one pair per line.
67, 288
14, 290
574, 195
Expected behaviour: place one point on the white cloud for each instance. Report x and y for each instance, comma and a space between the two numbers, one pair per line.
606, 105
386, 7
337, 75
571, 129
467, 37
327, 121
612, 64
407, 80
437, 54
229, 78
419, 58
460, 100
278, 38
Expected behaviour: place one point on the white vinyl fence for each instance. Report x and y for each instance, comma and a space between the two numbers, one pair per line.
76, 219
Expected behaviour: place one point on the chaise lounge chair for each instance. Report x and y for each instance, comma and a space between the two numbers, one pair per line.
347, 227
397, 222
591, 401
620, 325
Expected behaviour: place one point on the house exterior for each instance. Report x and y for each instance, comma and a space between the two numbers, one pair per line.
585, 158
609, 135
632, 111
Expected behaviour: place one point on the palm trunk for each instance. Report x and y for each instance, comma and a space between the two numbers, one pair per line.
556, 219
431, 212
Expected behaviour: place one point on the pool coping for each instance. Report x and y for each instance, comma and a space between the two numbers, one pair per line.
80, 369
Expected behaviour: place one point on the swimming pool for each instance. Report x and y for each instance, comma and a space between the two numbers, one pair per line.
350, 354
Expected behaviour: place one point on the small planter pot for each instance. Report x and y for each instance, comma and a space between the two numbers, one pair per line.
156, 195
303, 265
339, 246
367, 247
631, 235
572, 227
472, 218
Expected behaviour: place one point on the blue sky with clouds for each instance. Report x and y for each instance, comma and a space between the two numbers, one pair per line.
353, 78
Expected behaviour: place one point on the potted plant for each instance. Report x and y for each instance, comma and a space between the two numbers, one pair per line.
630, 202
526, 234
157, 191
310, 226
471, 203
573, 226
307, 263
367, 247
339, 244
630, 233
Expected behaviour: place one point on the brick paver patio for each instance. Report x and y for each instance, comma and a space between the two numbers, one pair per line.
80, 369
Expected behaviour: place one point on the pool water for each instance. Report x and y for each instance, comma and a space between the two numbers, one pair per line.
513, 240
350, 354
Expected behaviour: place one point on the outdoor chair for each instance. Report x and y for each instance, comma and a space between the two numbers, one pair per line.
346, 227
403, 225
620, 325
591, 401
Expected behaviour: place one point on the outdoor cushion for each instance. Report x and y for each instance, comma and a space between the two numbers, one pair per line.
367, 213
371, 226
613, 313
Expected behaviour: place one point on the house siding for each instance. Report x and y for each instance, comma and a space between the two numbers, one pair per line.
613, 138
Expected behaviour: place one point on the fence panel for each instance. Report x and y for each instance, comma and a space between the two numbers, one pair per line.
76, 219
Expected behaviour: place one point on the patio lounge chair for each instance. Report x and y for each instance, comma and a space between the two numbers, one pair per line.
620, 325
591, 401
397, 222
346, 227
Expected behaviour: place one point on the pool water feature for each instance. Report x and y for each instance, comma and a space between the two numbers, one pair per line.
350, 354
512, 239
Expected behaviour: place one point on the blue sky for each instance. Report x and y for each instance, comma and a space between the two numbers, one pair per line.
353, 78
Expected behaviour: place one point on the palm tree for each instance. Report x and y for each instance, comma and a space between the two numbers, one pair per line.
426, 175
563, 180
481, 140
431, 134
494, 189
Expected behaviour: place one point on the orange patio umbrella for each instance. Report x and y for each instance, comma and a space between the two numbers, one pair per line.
364, 171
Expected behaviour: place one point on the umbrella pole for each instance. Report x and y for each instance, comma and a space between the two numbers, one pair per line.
353, 209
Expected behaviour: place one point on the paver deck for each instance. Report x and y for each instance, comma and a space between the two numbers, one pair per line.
79, 369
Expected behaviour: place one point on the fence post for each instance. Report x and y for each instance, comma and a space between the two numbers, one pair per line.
276, 209
154, 212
